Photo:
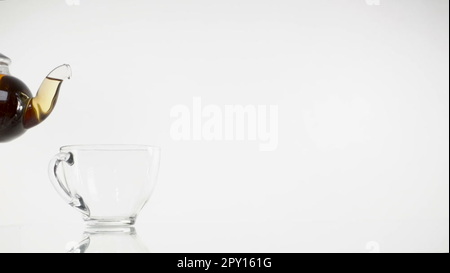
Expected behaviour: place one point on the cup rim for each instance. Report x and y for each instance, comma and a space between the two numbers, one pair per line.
109, 147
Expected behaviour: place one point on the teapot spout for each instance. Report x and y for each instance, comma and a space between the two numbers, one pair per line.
62, 72
41, 106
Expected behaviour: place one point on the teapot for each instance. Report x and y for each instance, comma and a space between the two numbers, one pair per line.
19, 110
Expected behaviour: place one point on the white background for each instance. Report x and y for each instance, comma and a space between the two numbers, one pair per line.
363, 102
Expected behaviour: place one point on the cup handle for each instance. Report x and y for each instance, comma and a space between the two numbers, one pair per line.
60, 185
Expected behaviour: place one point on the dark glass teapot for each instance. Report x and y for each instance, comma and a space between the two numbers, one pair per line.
19, 110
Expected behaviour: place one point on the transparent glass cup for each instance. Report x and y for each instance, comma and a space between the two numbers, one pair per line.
108, 184
110, 240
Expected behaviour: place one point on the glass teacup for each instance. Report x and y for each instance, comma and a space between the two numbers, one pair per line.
108, 184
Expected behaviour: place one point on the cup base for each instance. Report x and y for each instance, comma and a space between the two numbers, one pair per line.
110, 222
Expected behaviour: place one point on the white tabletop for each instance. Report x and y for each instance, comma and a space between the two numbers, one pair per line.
395, 236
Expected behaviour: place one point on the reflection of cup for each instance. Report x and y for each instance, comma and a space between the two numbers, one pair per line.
108, 184
110, 240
